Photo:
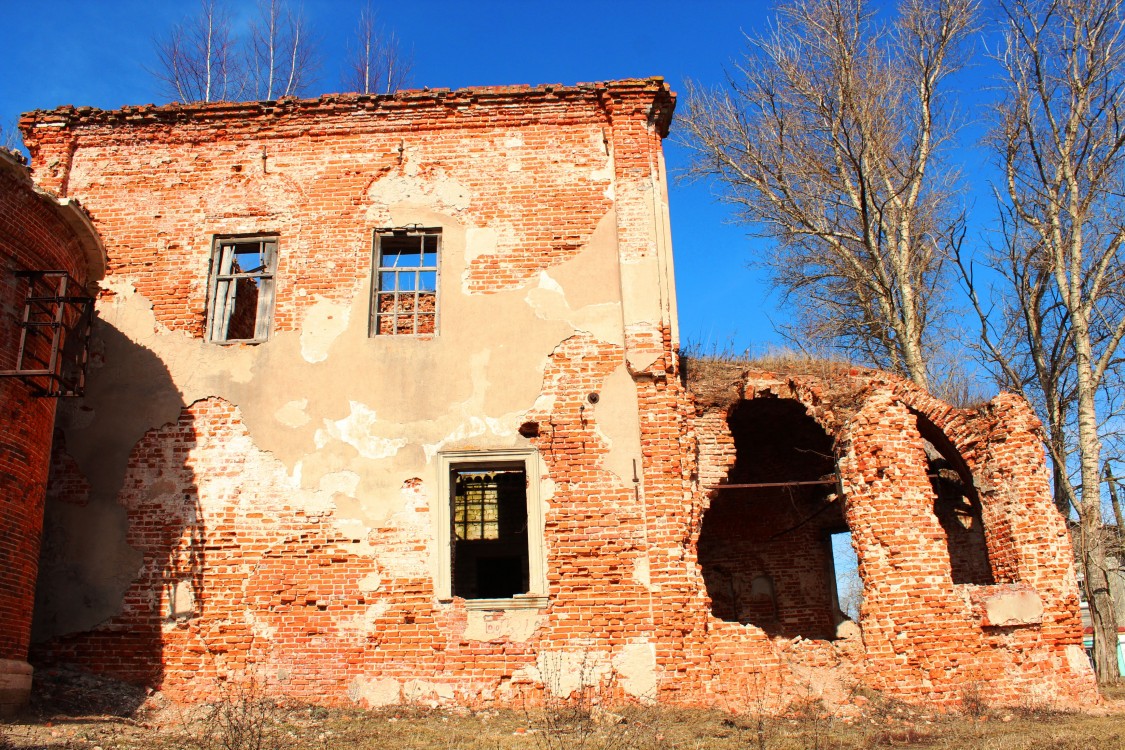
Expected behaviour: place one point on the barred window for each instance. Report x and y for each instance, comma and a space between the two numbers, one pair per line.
405, 284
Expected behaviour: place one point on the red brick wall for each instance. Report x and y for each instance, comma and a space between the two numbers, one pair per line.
268, 585
32, 237
924, 638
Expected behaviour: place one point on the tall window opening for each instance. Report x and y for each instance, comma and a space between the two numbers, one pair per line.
492, 526
405, 283
765, 544
956, 505
490, 557
242, 288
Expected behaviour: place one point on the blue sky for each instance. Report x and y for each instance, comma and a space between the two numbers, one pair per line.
99, 52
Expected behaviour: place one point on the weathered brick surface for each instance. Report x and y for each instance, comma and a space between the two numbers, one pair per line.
280, 499
34, 235
924, 638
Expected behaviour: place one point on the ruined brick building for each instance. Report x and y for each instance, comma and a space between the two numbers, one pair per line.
37, 233
384, 404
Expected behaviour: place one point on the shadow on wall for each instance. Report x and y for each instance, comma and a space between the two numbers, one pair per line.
123, 555
765, 540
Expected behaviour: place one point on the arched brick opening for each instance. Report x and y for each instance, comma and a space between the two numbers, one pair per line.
957, 506
765, 540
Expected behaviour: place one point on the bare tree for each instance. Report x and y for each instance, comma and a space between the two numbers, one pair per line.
282, 56
198, 60
1057, 332
377, 63
826, 138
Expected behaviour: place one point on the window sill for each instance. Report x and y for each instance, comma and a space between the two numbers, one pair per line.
235, 342
526, 601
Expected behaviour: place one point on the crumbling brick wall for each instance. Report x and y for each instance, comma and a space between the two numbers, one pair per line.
924, 636
36, 234
280, 499
283, 500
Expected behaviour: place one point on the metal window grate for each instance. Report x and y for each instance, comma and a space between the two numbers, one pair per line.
405, 284
54, 334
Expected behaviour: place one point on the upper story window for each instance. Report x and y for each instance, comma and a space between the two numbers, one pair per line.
241, 290
404, 287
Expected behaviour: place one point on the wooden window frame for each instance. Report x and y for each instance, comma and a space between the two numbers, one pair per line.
380, 271
219, 310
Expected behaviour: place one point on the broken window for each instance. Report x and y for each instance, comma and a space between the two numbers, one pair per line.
242, 286
765, 545
957, 506
405, 284
492, 528
54, 334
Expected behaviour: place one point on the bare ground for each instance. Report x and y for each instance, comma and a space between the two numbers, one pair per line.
77, 712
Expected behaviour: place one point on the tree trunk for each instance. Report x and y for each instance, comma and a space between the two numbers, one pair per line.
1091, 535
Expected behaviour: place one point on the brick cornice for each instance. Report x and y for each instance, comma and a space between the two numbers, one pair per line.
650, 96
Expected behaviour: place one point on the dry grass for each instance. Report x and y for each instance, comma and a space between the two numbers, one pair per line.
640, 728
92, 715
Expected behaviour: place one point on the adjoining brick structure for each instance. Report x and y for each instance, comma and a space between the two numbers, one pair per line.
386, 405
37, 233
968, 579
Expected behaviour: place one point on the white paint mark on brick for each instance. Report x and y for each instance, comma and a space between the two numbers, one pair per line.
375, 693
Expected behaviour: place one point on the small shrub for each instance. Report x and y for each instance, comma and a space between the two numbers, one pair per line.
581, 719
973, 702
244, 718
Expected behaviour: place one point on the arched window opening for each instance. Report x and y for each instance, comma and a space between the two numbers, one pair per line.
956, 505
765, 545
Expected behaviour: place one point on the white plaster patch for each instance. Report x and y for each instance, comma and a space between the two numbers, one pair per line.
352, 528
474, 427
292, 413
517, 625
617, 424
363, 624
370, 583
358, 430
344, 482
324, 322
563, 672
636, 670
428, 693
549, 302
641, 574
480, 241
436, 191
375, 693
257, 627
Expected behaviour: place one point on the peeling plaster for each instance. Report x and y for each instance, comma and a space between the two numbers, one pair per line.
563, 672
435, 190
358, 430
324, 322
548, 301
293, 414
635, 665
517, 625
375, 693
617, 420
